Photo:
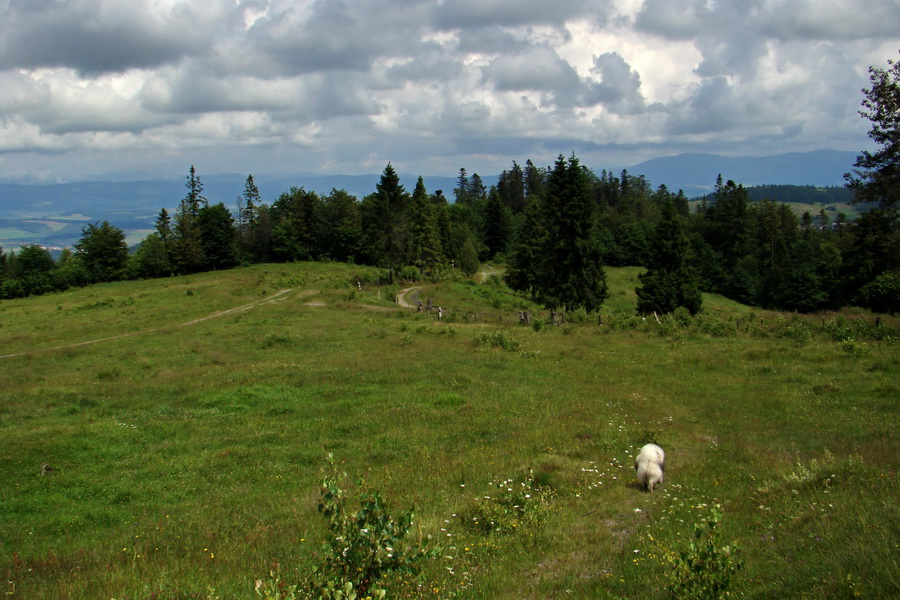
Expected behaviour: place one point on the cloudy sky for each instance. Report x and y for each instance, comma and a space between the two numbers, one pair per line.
89, 87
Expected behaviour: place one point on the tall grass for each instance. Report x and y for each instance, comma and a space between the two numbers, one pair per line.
186, 456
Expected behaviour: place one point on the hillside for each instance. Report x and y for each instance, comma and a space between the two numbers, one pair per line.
167, 439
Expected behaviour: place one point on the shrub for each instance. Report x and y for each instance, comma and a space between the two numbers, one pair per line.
409, 273
706, 569
715, 326
853, 348
496, 339
623, 320
509, 507
795, 330
364, 545
682, 317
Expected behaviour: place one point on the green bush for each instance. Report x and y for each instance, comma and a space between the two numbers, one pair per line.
497, 339
705, 570
364, 545
716, 327
410, 273
508, 507
795, 330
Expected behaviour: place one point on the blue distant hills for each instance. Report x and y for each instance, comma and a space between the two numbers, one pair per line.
53, 214
696, 173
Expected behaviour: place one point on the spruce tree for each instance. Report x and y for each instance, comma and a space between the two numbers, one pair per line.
571, 274
386, 222
497, 224
669, 281
186, 245
425, 243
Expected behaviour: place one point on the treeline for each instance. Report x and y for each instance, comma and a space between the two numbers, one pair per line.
555, 227
800, 194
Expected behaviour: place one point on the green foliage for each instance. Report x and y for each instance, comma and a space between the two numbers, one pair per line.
669, 282
365, 545
409, 273
103, 251
793, 329
497, 339
706, 569
882, 294
877, 177
713, 325
508, 507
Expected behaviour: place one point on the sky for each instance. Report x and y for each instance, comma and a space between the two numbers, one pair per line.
89, 88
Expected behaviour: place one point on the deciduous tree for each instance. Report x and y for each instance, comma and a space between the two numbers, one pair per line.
877, 176
103, 251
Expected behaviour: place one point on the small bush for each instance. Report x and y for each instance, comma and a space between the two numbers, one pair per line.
716, 327
409, 273
364, 545
682, 317
497, 339
795, 330
706, 569
510, 506
623, 321
853, 347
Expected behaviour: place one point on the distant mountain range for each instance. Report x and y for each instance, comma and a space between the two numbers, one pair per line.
53, 214
696, 173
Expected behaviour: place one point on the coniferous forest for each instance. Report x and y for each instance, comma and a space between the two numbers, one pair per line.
555, 227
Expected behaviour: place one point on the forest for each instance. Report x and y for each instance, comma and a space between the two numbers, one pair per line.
753, 251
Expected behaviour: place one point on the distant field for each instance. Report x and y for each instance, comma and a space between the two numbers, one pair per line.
185, 423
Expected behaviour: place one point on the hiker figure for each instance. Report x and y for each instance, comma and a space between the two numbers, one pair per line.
419, 307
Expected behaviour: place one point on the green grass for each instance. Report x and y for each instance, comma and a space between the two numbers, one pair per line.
187, 454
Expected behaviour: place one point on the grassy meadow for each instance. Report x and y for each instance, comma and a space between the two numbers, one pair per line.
186, 421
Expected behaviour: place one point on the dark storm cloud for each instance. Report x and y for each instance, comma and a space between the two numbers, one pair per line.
96, 37
466, 14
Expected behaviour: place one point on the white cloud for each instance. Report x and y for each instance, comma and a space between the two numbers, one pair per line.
337, 83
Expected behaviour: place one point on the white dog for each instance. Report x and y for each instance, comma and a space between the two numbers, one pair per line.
650, 464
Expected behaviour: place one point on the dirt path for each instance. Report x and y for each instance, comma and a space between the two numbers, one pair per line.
280, 295
401, 296
486, 271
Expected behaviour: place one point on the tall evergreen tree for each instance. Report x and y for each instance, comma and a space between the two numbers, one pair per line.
524, 267
511, 186
164, 226
497, 224
342, 225
572, 274
425, 243
462, 191
669, 281
534, 179
186, 245
387, 228
296, 227
248, 217
441, 210
218, 237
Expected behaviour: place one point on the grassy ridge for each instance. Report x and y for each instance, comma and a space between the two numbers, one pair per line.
187, 454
